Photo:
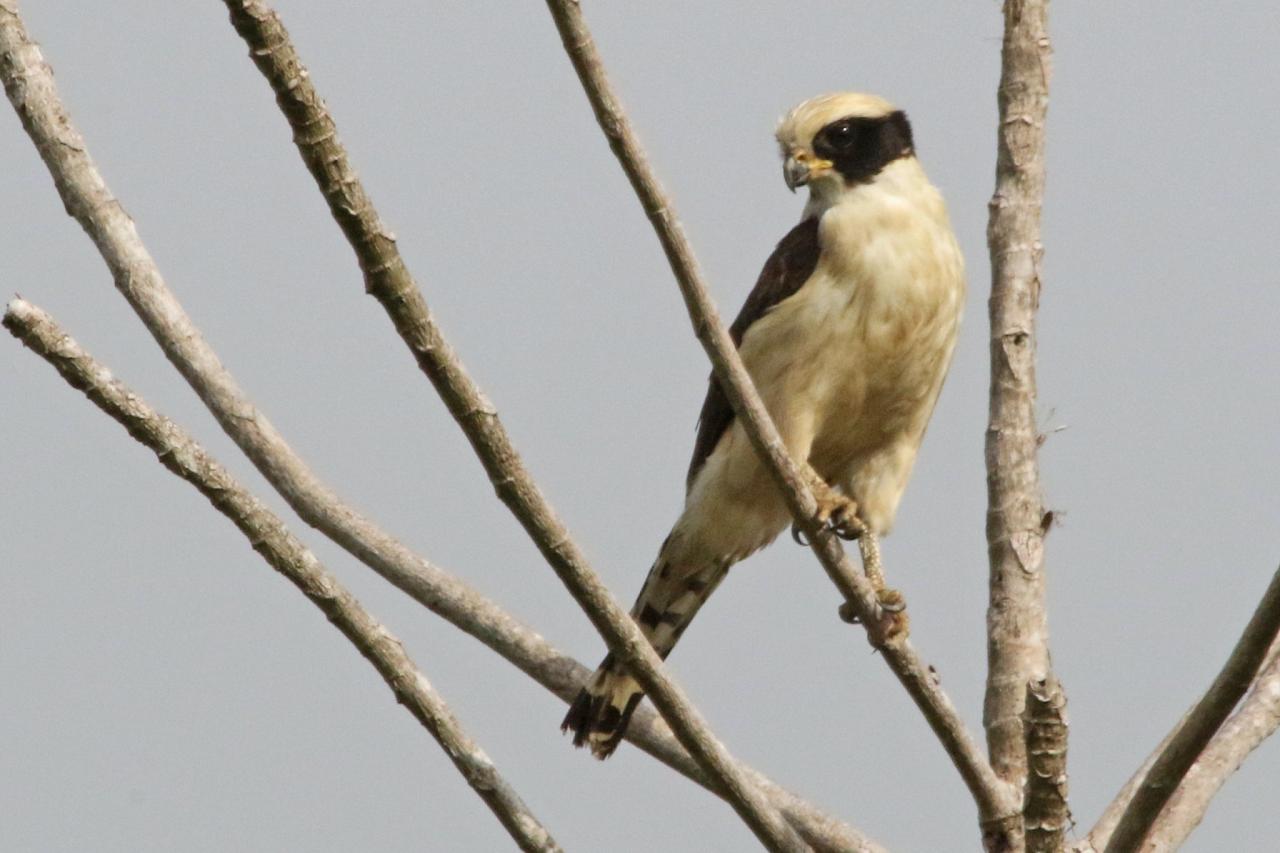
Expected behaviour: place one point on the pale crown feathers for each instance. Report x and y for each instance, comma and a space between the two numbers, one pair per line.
798, 128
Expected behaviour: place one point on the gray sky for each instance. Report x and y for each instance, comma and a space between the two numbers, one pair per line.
163, 689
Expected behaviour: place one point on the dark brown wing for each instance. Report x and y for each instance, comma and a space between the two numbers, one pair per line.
789, 267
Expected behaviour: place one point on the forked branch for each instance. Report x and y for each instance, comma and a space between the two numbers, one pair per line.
1255, 721
1199, 726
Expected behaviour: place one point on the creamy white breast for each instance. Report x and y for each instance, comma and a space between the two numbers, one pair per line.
866, 342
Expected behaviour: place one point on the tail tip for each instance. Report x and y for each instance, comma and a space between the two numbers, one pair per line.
596, 723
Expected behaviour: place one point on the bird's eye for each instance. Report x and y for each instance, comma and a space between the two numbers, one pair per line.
842, 135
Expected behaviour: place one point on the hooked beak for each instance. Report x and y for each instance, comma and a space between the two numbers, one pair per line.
801, 167
795, 172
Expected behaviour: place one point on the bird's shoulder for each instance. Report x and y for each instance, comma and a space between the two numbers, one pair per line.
787, 269
785, 272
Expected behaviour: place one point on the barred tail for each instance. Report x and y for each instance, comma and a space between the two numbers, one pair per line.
671, 596
598, 717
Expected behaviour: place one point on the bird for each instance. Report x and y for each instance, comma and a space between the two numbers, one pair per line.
847, 335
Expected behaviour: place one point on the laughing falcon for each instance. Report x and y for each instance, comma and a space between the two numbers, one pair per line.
847, 335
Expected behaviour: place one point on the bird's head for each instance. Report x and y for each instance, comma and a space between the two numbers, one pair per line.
834, 142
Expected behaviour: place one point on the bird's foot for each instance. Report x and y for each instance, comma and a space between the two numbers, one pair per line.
892, 621
837, 513
895, 624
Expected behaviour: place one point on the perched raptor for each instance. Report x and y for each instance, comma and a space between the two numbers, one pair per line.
847, 336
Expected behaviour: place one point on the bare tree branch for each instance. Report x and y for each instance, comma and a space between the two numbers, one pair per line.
1017, 626
996, 802
30, 85
389, 281
1255, 721
1201, 723
1244, 730
268, 535
1045, 813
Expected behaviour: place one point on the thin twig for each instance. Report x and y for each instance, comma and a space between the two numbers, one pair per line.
30, 85
389, 281
1200, 725
1017, 624
268, 535
996, 801
1045, 811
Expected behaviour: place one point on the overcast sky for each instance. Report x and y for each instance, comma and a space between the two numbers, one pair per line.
162, 689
